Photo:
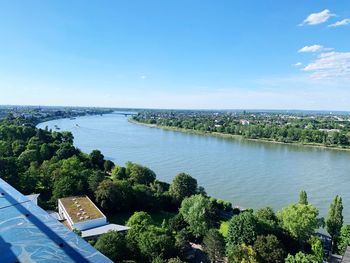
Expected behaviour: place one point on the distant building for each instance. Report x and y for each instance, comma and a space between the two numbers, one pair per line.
244, 122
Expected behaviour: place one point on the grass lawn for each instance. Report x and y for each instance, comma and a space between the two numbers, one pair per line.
157, 217
224, 228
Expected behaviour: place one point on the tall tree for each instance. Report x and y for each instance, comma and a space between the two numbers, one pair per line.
344, 239
183, 186
113, 245
197, 211
303, 198
214, 246
269, 249
300, 220
242, 229
334, 220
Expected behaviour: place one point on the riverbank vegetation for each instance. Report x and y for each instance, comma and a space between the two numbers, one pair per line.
317, 129
169, 222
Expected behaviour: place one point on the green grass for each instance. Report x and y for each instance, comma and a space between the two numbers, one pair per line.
224, 228
157, 217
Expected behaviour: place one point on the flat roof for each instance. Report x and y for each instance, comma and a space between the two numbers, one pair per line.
96, 231
81, 208
29, 234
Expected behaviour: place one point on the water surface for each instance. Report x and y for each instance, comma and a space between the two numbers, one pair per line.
249, 174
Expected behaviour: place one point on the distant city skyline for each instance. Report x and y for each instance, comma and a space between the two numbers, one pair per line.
196, 54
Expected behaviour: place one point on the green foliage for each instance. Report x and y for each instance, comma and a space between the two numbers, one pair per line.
344, 239
299, 220
224, 228
300, 257
183, 186
139, 219
108, 165
303, 198
334, 220
114, 196
97, 159
317, 248
95, 179
267, 220
214, 245
269, 249
242, 229
119, 173
197, 211
155, 242
113, 245
241, 254
139, 174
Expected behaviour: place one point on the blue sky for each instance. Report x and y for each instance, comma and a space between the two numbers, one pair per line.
176, 53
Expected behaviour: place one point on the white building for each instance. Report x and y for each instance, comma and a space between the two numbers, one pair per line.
80, 213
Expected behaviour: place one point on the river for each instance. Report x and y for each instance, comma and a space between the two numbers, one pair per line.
249, 174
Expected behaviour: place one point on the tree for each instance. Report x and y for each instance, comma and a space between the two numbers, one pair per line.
139, 174
119, 173
334, 220
139, 219
317, 248
198, 213
214, 246
242, 254
300, 257
113, 245
114, 196
300, 220
269, 249
155, 242
183, 186
95, 179
108, 165
241, 229
303, 198
267, 220
138, 223
344, 239
97, 159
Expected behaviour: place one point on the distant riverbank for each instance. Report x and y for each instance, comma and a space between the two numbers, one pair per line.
237, 137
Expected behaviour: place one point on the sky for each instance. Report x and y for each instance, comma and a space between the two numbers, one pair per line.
192, 54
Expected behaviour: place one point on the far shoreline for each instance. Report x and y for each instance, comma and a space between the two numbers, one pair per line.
236, 137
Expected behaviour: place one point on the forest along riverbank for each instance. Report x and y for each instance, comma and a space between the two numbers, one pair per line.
234, 136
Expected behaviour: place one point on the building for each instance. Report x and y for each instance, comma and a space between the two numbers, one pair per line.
79, 212
29, 234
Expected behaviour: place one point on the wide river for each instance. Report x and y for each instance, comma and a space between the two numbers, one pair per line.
249, 174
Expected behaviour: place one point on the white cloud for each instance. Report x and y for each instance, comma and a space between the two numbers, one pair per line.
313, 48
330, 65
343, 22
298, 64
317, 18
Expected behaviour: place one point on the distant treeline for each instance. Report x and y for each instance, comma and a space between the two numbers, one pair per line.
326, 130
